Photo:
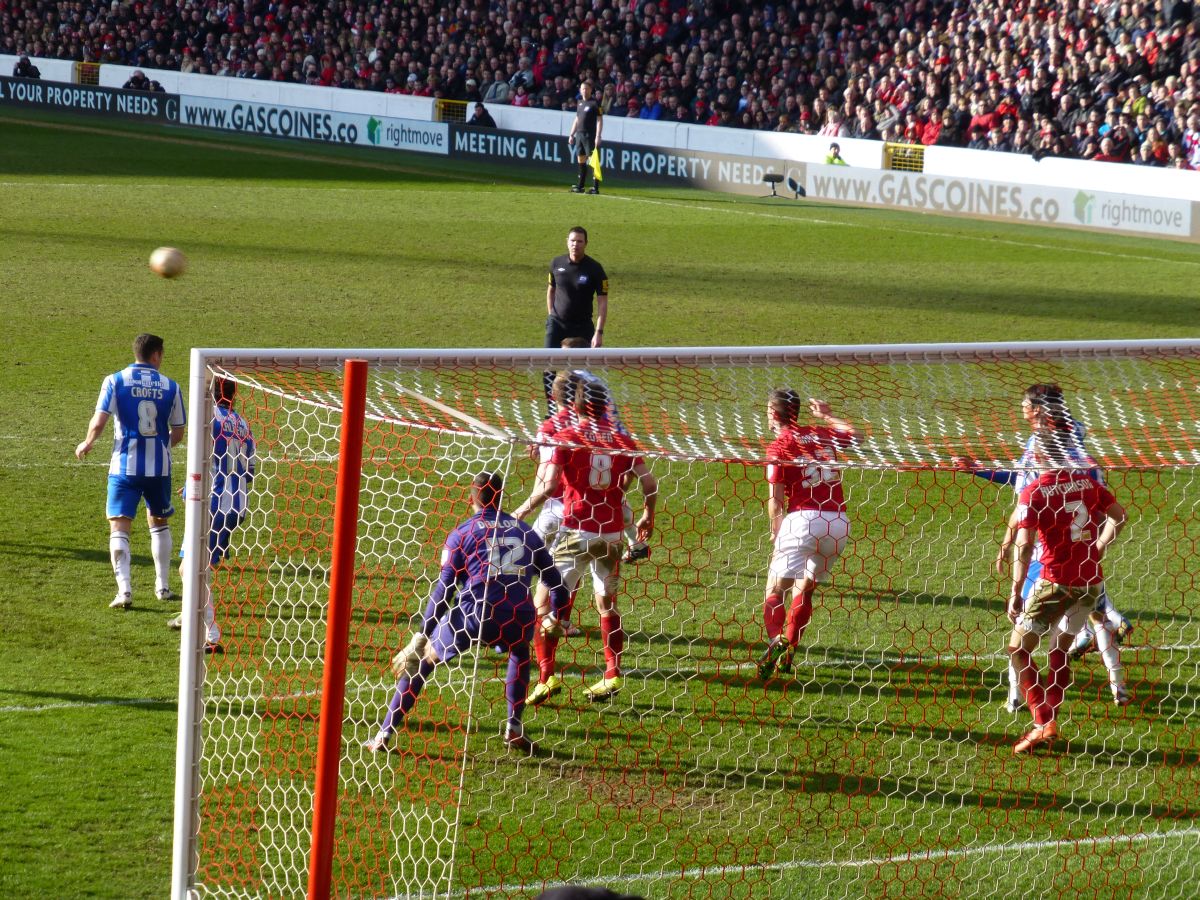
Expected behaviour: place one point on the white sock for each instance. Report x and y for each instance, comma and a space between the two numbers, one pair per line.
212, 631
160, 549
1014, 683
1111, 654
118, 551
1111, 613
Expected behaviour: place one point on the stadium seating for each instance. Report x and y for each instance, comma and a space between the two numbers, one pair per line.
1111, 81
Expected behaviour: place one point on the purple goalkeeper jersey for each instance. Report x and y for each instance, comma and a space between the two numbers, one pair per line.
491, 558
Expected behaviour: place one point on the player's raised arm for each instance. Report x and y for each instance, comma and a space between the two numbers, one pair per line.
823, 411
95, 429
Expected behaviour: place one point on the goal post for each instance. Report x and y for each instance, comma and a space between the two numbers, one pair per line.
881, 763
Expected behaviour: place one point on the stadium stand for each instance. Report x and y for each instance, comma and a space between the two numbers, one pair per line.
1112, 81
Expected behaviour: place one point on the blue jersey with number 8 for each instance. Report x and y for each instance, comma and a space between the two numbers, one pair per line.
145, 406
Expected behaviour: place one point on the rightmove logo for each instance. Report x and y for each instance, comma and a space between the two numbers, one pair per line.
373, 126
1083, 207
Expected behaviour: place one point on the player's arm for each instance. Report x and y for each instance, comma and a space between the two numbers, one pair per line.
547, 483
824, 412
1022, 554
599, 126
1115, 518
1002, 555
178, 417
649, 487
601, 315
95, 428
776, 506
176, 435
550, 295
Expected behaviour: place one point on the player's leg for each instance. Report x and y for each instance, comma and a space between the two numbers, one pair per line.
606, 567
1120, 625
1108, 642
123, 498
581, 160
821, 546
159, 509
450, 637
570, 563
1047, 605
510, 628
1016, 698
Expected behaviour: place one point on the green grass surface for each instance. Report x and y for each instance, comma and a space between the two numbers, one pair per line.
860, 756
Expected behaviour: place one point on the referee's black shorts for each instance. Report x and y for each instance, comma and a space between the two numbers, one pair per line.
558, 331
584, 144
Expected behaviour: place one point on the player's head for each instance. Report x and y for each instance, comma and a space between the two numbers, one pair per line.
223, 391
1043, 406
577, 240
783, 406
146, 346
486, 490
564, 387
591, 398
587, 89
1052, 449
576, 343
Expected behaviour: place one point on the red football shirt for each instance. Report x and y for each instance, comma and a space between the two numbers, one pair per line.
592, 474
1067, 509
798, 460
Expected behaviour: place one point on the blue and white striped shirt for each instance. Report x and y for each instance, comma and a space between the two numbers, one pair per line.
145, 405
233, 461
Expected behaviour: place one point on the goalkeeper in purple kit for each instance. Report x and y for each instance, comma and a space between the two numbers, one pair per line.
483, 596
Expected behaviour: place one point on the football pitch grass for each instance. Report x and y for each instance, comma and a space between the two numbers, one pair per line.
293, 245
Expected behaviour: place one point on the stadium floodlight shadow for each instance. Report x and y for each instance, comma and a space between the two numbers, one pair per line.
772, 178
796, 188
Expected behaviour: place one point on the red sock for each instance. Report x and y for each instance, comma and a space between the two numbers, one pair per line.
1060, 680
545, 649
1031, 686
773, 615
614, 643
799, 617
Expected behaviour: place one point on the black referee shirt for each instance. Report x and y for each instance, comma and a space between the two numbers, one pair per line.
575, 286
587, 116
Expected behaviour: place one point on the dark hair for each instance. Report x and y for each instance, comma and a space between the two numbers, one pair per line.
145, 346
576, 343
580, 229
591, 398
1048, 399
487, 487
1053, 448
224, 390
785, 403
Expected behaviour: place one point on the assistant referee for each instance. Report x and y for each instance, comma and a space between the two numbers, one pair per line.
575, 279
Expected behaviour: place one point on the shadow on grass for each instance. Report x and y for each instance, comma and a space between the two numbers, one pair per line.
93, 699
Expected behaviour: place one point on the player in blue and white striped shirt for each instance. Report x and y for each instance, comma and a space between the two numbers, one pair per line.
232, 469
147, 407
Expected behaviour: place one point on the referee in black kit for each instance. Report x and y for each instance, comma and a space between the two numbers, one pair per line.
585, 134
576, 278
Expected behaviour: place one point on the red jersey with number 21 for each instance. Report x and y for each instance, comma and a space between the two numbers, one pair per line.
592, 475
808, 481
1067, 509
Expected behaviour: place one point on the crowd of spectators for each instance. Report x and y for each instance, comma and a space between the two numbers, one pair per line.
1113, 80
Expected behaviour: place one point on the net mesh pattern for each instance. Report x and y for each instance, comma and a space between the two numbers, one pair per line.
880, 765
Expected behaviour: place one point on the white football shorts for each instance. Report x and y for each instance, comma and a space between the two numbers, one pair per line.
549, 521
809, 542
577, 552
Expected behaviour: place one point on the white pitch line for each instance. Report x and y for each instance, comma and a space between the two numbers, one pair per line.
88, 704
1030, 245
823, 865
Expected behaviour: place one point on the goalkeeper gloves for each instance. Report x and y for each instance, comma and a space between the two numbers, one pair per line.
407, 662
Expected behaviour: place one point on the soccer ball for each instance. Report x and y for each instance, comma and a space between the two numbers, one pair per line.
168, 262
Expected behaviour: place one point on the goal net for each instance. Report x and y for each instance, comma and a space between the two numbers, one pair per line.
881, 764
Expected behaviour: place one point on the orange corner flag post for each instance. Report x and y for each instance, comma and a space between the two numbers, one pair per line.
341, 587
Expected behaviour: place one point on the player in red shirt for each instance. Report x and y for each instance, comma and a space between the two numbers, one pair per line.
1075, 519
594, 462
807, 509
